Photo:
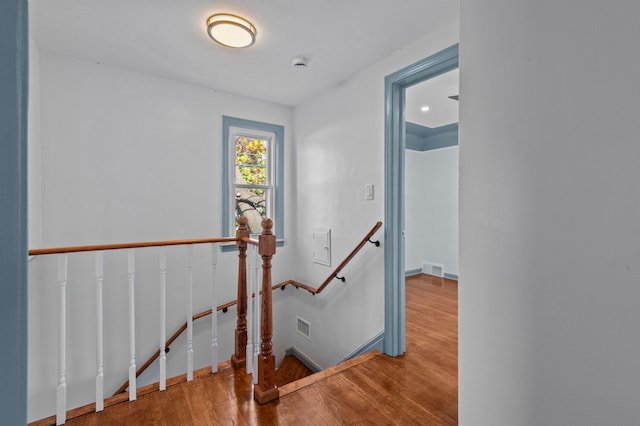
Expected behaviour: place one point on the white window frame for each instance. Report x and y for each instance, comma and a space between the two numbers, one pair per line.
274, 135
269, 137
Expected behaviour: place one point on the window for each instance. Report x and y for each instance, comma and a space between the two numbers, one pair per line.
252, 175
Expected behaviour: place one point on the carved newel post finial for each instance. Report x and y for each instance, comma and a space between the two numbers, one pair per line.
238, 359
266, 389
267, 225
242, 223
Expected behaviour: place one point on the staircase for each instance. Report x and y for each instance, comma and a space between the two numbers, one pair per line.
290, 370
419, 387
254, 325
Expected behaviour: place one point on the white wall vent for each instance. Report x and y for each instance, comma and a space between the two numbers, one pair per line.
304, 328
431, 268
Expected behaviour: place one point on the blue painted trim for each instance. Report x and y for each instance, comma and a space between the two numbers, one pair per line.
413, 141
303, 358
376, 343
441, 140
394, 315
425, 132
14, 82
418, 130
422, 138
279, 178
412, 272
395, 145
451, 276
226, 229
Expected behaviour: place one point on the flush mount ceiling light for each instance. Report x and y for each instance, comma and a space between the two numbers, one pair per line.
231, 30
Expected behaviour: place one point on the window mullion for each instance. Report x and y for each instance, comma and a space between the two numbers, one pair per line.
249, 186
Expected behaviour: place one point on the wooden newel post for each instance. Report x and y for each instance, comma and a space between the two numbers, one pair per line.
266, 389
238, 359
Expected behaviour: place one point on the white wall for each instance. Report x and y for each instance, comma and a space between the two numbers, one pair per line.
431, 208
340, 149
549, 213
137, 155
413, 210
131, 157
34, 149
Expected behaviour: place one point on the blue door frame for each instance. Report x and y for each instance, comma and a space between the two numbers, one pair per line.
14, 76
395, 144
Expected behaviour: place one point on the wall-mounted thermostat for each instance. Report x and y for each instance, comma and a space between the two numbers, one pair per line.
322, 246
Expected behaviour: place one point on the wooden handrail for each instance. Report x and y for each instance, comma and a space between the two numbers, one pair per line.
340, 267
241, 240
77, 249
173, 338
248, 240
183, 327
283, 284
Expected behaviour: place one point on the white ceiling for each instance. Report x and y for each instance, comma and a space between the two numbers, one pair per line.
433, 93
168, 38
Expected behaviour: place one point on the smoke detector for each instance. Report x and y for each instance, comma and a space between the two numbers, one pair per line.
299, 62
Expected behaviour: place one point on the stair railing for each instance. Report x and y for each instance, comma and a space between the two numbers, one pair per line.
254, 315
334, 274
266, 247
262, 363
266, 389
238, 359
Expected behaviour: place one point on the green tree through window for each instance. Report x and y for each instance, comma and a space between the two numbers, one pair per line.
252, 180
252, 175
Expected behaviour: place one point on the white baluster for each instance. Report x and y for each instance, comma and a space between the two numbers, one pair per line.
257, 265
163, 318
214, 312
190, 314
250, 302
99, 333
131, 268
61, 402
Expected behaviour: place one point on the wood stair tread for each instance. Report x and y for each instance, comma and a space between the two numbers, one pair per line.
328, 372
290, 370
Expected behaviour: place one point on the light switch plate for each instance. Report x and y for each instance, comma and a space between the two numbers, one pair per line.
368, 191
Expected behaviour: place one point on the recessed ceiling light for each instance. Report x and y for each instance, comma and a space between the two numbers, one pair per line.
425, 108
231, 30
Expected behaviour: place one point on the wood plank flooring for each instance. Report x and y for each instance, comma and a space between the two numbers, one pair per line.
417, 388
290, 370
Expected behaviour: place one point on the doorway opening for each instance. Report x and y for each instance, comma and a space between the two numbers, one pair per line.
395, 145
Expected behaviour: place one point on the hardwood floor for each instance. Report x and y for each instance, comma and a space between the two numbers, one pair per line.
417, 388
290, 370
